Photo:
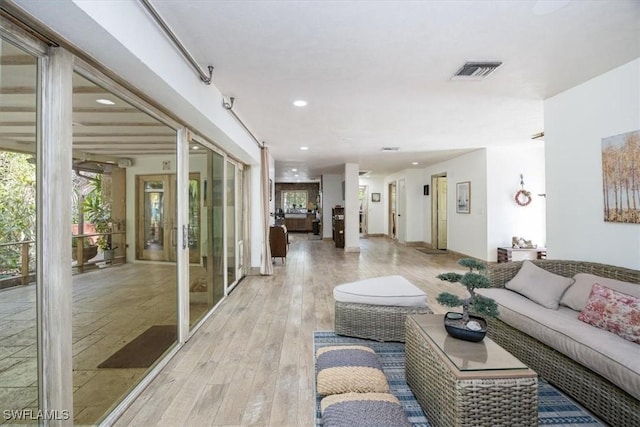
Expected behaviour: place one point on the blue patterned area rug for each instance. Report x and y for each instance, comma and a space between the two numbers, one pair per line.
555, 408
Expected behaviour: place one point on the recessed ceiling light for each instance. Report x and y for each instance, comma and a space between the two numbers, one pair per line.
304, 148
300, 103
415, 163
105, 101
296, 175
195, 147
294, 170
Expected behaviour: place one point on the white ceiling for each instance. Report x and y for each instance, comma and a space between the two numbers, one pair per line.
378, 73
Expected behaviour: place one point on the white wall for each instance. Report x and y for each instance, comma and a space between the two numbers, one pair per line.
505, 217
575, 123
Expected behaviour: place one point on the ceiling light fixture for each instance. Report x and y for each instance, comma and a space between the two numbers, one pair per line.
105, 101
300, 103
294, 170
304, 148
415, 163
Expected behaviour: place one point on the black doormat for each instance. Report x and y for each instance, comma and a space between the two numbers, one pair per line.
430, 251
144, 350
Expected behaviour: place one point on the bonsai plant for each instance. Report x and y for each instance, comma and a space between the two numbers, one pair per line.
475, 303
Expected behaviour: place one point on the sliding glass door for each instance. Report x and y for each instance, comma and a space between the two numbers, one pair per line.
18, 196
206, 262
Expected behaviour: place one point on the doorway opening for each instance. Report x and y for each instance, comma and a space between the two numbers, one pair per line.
363, 197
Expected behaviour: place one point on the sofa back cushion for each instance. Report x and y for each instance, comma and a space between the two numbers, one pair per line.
613, 311
577, 295
539, 285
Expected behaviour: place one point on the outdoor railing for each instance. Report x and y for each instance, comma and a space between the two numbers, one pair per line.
21, 271
22, 268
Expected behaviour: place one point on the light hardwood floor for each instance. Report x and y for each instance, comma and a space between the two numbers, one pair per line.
251, 363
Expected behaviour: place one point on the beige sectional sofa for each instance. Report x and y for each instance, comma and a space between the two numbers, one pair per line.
539, 324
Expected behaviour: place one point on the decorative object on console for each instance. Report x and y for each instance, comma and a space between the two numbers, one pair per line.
521, 243
522, 197
462, 325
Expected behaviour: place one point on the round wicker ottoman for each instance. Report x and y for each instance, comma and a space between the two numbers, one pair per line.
377, 308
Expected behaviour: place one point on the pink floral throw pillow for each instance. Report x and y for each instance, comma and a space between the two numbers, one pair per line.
613, 311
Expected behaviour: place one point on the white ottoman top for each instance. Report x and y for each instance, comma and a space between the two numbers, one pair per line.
389, 290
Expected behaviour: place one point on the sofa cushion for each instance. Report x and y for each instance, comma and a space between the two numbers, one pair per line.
388, 290
363, 409
349, 368
613, 311
603, 352
577, 295
539, 285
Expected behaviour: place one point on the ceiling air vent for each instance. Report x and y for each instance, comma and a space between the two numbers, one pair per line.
390, 148
476, 70
362, 173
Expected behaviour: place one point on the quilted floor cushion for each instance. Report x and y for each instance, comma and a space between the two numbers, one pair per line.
362, 409
349, 368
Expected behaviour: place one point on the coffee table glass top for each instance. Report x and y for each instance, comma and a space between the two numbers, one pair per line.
465, 355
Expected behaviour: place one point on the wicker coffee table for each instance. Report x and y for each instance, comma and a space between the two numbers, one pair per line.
460, 383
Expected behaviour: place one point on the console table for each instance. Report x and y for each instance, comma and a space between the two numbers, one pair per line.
461, 383
507, 254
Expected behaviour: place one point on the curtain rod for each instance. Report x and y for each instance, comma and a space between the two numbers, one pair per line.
227, 103
206, 78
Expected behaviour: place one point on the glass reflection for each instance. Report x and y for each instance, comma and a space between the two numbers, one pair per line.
231, 224
205, 232
18, 336
124, 311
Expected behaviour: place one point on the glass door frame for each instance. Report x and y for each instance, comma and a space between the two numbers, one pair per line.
54, 144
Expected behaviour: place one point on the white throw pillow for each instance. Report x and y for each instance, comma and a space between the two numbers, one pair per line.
577, 295
539, 285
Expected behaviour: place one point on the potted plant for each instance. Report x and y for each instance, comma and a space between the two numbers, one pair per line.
464, 325
88, 250
98, 211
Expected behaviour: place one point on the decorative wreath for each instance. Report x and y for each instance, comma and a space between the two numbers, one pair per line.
523, 197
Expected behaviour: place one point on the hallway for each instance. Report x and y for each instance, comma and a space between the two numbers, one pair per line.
251, 363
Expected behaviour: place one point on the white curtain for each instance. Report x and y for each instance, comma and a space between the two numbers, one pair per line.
266, 267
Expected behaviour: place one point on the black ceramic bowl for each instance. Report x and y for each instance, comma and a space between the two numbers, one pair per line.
463, 333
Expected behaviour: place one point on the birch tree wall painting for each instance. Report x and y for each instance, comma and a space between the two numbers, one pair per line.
621, 177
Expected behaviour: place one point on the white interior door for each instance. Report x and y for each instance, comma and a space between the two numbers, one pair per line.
402, 218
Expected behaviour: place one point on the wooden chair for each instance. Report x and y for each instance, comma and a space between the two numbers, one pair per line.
278, 242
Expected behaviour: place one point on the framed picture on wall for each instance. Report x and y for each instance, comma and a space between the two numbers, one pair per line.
375, 197
463, 197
